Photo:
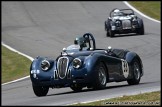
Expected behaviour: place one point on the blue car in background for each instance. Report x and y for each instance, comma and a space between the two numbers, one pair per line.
83, 65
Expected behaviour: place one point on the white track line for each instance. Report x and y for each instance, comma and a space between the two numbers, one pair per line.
15, 80
140, 12
14, 50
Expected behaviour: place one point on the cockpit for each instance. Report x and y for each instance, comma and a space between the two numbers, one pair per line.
117, 12
82, 43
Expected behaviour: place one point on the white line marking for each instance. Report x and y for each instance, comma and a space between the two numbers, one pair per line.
14, 50
140, 12
16, 80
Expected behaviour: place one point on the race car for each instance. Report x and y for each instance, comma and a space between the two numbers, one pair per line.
83, 65
123, 21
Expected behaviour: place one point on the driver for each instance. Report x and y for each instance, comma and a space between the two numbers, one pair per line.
81, 41
117, 12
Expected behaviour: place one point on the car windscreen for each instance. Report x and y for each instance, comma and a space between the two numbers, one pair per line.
73, 48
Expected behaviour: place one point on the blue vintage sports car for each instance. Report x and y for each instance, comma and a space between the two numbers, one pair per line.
83, 65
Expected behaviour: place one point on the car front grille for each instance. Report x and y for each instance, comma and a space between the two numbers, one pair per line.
62, 65
126, 24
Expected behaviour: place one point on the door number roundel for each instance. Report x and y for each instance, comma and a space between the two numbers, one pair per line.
125, 68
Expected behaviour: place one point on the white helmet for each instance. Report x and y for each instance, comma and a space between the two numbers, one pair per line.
116, 11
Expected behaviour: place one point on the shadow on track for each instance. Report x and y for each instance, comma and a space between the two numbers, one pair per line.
126, 35
107, 87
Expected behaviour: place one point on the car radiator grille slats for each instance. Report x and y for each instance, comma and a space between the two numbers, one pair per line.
62, 66
126, 24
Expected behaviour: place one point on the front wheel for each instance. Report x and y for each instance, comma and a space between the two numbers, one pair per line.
136, 74
100, 79
107, 34
105, 26
40, 90
111, 33
76, 87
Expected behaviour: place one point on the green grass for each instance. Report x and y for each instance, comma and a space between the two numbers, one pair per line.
150, 8
152, 98
14, 66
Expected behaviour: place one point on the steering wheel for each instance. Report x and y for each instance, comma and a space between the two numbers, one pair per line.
88, 37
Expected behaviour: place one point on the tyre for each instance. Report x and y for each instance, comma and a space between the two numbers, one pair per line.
107, 34
140, 30
40, 90
136, 73
100, 78
105, 26
107, 30
111, 33
76, 88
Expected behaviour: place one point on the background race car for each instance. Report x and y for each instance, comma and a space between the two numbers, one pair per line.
123, 21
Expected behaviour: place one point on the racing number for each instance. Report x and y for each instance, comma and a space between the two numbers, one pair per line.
125, 68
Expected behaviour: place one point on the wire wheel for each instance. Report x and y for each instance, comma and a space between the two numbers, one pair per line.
102, 76
136, 71
136, 74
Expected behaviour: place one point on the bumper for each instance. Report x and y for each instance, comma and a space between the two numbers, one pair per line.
48, 79
124, 30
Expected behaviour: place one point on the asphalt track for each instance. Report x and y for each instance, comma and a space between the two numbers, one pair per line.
44, 28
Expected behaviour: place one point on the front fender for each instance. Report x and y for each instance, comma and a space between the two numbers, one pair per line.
130, 56
37, 74
92, 60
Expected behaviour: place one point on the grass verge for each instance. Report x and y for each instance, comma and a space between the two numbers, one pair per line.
152, 98
14, 66
149, 8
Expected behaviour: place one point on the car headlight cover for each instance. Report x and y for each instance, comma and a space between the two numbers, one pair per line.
45, 65
77, 63
118, 23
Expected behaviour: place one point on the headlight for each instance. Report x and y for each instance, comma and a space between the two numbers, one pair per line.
77, 63
117, 23
45, 65
134, 22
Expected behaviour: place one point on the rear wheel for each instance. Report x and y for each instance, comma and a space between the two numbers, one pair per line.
40, 90
100, 79
140, 30
136, 74
107, 29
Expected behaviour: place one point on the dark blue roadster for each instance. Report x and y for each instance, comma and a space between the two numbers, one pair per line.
83, 65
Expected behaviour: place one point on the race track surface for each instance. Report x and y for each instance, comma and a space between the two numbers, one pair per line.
44, 28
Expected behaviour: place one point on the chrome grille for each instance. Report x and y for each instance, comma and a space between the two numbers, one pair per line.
62, 65
126, 24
